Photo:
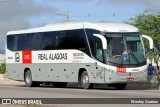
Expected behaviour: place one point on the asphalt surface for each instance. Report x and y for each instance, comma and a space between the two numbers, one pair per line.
20, 91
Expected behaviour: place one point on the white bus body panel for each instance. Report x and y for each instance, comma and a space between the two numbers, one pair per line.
48, 69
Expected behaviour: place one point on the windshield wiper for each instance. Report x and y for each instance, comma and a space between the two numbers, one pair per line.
135, 57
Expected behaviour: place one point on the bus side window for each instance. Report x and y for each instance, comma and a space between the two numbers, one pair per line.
62, 40
77, 40
99, 54
36, 41
91, 40
49, 40
24, 42
10, 42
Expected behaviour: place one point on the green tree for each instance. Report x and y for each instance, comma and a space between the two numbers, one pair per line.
149, 24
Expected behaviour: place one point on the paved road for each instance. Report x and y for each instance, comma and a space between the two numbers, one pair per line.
20, 91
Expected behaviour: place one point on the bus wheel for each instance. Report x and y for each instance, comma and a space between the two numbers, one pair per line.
59, 84
85, 81
28, 80
120, 86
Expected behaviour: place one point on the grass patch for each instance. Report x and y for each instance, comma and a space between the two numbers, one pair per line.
3, 68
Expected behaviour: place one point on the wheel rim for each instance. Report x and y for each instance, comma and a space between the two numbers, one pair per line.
28, 79
85, 80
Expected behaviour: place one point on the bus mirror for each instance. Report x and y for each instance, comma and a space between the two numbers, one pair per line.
103, 39
151, 45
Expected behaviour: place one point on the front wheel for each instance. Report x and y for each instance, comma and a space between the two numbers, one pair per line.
28, 80
85, 84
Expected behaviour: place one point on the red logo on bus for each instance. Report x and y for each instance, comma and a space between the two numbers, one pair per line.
27, 57
121, 69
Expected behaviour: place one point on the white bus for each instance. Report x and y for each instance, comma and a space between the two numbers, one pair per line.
78, 52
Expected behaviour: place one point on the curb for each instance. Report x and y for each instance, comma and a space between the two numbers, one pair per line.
5, 80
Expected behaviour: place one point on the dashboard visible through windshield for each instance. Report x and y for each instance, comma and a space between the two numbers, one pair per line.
125, 49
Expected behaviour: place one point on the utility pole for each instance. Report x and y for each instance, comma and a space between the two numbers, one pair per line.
65, 14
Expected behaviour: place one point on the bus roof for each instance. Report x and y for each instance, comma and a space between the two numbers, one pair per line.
101, 26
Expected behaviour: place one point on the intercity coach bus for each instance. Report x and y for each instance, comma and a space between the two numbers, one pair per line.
86, 53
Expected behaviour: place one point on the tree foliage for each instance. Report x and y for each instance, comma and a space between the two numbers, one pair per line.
148, 24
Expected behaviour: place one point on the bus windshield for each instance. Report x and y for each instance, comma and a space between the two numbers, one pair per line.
125, 49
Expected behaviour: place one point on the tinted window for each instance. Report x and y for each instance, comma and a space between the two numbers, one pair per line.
36, 41
98, 51
77, 40
10, 42
18, 42
70, 39
24, 42
49, 40
92, 40
62, 40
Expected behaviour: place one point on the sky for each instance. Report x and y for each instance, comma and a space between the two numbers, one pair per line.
24, 14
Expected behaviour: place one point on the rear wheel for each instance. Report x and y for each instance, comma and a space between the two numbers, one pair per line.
120, 86
85, 84
60, 84
28, 80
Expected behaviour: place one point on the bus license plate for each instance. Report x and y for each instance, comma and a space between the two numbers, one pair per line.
130, 79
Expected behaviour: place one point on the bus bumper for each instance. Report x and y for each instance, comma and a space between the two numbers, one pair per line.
117, 77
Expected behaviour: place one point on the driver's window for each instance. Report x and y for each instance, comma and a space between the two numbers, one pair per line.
99, 54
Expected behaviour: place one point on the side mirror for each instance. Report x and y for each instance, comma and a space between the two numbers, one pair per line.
103, 39
151, 45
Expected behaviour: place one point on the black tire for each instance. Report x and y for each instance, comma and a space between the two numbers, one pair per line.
28, 80
85, 84
120, 86
59, 84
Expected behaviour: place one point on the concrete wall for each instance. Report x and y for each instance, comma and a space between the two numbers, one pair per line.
2, 58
